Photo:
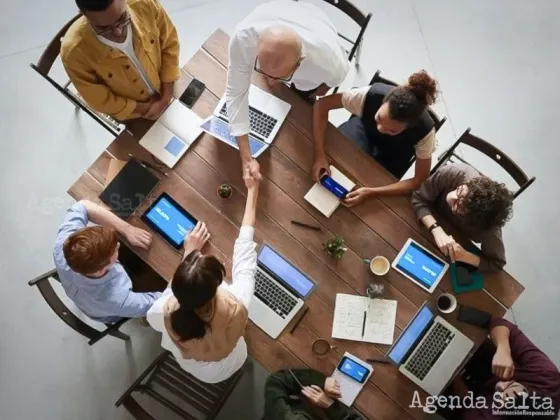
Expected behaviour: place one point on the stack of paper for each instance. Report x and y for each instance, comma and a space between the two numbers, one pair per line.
360, 318
322, 199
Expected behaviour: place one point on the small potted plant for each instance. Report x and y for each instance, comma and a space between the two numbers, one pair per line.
335, 248
225, 191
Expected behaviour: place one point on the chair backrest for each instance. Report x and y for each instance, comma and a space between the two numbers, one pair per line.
438, 122
52, 51
488, 149
165, 378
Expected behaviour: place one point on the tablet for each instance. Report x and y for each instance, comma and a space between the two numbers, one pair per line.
420, 265
170, 220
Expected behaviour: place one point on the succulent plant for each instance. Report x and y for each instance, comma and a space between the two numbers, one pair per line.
225, 191
335, 247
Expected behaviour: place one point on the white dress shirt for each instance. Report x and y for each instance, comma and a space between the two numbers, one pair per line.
242, 287
325, 59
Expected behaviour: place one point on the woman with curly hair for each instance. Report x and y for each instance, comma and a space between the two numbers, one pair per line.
390, 123
476, 205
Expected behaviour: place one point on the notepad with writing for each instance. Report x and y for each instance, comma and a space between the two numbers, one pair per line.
322, 199
360, 318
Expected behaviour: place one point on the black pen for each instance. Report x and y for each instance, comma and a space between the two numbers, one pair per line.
364, 324
378, 360
149, 165
299, 320
305, 225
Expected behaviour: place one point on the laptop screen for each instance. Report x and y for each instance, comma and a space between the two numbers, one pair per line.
410, 335
283, 270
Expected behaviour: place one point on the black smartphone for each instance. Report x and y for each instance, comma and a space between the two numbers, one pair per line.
474, 316
330, 184
192, 93
463, 275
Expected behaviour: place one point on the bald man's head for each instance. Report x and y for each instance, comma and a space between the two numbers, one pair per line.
279, 52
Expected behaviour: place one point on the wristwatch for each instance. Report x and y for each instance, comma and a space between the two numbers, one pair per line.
434, 226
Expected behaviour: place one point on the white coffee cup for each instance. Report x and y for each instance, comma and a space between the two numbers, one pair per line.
446, 303
378, 265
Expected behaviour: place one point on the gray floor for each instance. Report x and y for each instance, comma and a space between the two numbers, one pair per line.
496, 62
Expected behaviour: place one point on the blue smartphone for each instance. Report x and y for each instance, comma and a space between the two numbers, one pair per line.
333, 186
353, 369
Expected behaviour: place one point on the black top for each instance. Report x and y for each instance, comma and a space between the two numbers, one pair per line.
396, 152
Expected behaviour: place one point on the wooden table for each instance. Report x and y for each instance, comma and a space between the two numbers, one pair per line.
378, 227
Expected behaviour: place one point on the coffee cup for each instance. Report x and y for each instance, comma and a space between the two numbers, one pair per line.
321, 347
446, 303
378, 265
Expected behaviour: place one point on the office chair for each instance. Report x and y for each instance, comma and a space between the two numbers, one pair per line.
484, 147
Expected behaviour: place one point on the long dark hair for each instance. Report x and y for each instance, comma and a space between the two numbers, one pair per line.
194, 285
407, 103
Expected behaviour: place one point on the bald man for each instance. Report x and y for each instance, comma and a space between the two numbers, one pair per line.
285, 41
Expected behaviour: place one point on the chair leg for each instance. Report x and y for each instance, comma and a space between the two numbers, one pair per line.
358, 54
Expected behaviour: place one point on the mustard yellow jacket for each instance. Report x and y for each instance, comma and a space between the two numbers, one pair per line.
105, 77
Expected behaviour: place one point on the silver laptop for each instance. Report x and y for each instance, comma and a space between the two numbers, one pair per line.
280, 291
429, 351
266, 115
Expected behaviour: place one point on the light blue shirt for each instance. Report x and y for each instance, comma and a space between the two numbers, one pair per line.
104, 299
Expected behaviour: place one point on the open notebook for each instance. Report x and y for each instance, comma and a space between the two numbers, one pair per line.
322, 199
360, 318
172, 134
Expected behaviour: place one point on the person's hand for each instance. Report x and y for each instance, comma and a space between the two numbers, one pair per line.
444, 242
250, 181
156, 108
251, 168
332, 388
460, 253
502, 364
317, 396
196, 238
137, 237
357, 196
320, 167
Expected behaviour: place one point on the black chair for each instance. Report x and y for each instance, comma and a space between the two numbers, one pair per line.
164, 378
438, 122
518, 175
47, 291
44, 66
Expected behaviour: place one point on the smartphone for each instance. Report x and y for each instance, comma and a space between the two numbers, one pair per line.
464, 277
353, 369
333, 186
474, 316
192, 93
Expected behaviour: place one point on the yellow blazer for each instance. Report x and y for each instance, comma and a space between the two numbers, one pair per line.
105, 77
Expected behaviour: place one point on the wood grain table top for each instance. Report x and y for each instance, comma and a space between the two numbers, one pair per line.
379, 226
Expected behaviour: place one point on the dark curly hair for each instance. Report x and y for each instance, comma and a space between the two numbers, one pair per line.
407, 103
487, 204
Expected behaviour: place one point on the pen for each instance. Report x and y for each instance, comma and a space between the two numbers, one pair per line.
378, 360
148, 164
364, 324
305, 225
299, 320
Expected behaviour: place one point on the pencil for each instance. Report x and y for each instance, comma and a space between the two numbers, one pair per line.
299, 320
305, 225
149, 165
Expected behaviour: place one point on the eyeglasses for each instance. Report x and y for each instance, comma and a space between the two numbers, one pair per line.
281, 79
121, 22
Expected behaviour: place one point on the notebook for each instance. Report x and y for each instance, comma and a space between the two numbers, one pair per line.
350, 389
360, 318
322, 199
128, 189
172, 134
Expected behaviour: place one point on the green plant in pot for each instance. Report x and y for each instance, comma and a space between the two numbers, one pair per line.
335, 248
225, 191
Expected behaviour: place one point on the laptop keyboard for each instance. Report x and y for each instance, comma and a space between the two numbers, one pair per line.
273, 295
260, 123
429, 352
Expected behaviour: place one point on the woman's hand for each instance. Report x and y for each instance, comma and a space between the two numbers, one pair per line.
357, 196
196, 238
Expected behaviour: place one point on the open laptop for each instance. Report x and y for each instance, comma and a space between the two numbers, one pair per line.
429, 351
266, 115
280, 291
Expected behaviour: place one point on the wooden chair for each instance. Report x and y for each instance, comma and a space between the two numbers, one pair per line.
438, 122
164, 378
44, 66
47, 291
518, 175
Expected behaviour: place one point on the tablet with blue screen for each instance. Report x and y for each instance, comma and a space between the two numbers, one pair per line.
420, 265
170, 220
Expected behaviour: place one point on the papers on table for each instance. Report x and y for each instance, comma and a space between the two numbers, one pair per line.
322, 199
360, 318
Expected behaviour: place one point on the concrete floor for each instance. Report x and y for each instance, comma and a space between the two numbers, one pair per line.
496, 63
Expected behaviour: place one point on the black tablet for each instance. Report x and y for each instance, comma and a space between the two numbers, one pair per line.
170, 220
